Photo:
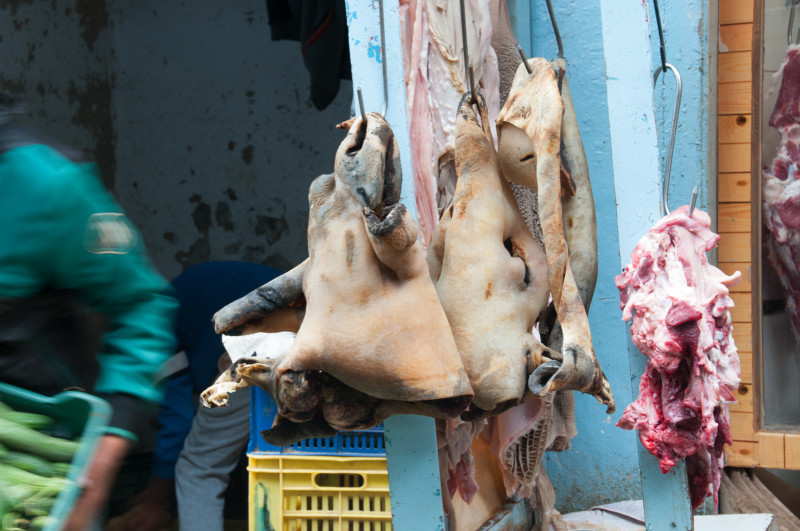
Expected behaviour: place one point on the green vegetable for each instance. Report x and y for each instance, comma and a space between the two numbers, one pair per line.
18, 437
29, 463
41, 522
35, 421
61, 469
35, 483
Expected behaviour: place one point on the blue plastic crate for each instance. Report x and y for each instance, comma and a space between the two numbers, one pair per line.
345, 443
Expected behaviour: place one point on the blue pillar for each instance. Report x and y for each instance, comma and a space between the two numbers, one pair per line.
411, 450
637, 177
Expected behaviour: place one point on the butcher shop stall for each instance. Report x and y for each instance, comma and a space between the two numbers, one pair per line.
536, 260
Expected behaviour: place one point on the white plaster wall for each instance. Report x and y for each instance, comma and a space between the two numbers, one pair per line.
202, 126
217, 140
55, 55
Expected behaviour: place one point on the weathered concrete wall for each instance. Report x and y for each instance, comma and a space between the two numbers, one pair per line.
217, 138
56, 56
201, 125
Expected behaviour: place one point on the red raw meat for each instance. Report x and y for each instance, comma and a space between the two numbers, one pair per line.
679, 305
780, 187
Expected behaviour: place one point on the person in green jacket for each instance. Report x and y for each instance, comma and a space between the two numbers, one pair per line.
69, 259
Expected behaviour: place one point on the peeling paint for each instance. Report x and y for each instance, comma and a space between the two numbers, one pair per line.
93, 19
202, 217
93, 113
247, 154
223, 217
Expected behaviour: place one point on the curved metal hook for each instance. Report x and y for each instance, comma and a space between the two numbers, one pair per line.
555, 29
668, 169
383, 61
791, 23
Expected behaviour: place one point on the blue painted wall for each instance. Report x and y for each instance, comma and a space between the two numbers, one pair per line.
602, 465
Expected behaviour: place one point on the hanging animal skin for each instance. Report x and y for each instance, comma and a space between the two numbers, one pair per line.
363, 304
529, 132
490, 274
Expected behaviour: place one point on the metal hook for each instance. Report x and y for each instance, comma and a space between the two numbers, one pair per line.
524, 59
694, 200
678, 89
467, 75
791, 23
383, 61
555, 30
361, 104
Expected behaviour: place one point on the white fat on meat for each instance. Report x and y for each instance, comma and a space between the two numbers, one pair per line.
435, 82
679, 305
780, 188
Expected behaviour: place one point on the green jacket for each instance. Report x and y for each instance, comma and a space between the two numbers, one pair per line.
62, 232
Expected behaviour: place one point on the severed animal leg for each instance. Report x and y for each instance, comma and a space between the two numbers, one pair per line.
530, 140
391, 239
277, 306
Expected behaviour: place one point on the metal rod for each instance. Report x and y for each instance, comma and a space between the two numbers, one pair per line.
555, 29
661, 38
467, 80
694, 200
792, 9
361, 104
383, 61
524, 59
668, 169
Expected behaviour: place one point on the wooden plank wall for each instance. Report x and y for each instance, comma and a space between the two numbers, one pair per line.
733, 218
752, 447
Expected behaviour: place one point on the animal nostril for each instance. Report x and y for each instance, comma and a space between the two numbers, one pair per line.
526, 158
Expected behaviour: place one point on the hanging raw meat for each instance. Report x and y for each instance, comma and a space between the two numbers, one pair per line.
371, 320
489, 272
679, 304
434, 72
529, 130
780, 190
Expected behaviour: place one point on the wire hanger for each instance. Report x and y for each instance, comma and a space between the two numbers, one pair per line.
469, 80
678, 90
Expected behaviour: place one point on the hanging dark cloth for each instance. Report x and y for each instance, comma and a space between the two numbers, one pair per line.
321, 28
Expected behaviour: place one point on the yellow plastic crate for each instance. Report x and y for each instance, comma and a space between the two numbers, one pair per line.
319, 493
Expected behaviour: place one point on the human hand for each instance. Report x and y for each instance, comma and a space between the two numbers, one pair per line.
149, 512
98, 481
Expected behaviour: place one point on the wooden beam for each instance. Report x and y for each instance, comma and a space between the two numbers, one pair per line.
744, 398
734, 247
792, 451
734, 129
742, 426
746, 365
735, 98
733, 187
736, 37
733, 158
771, 449
735, 66
742, 311
735, 11
742, 454
734, 217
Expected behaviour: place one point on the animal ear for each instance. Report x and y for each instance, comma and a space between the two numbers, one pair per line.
249, 313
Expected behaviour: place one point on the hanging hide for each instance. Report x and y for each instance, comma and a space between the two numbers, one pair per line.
529, 131
489, 272
369, 317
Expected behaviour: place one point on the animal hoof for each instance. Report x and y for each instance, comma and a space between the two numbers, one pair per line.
540, 381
